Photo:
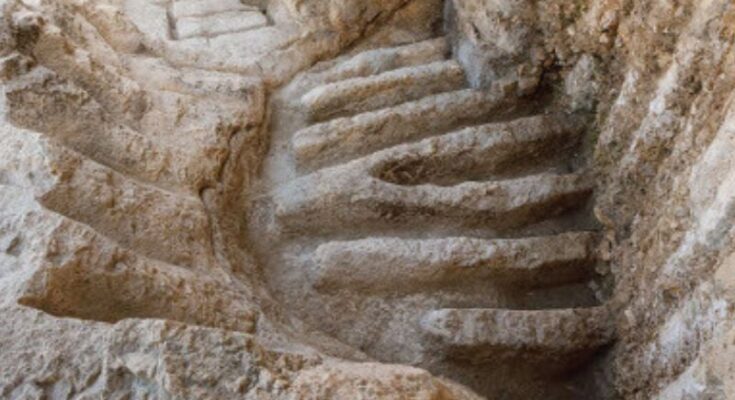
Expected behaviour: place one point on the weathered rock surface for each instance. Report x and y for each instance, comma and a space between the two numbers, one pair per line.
382, 199
117, 174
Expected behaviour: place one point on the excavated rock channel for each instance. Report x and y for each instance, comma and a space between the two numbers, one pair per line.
391, 199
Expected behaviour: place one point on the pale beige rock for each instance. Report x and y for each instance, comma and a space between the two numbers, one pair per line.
156, 223
495, 40
113, 199
199, 8
489, 335
394, 264
219, 24
410, 219
336, 198
194, 362
65, 112
330, 199
49, 357
345, 380
383, 90
347, 137
54, 251
373, 62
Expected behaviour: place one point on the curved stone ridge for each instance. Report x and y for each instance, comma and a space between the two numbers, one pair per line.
481, 152
374, 62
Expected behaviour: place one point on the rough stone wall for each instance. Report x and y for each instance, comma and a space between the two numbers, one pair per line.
668, 197
659, 76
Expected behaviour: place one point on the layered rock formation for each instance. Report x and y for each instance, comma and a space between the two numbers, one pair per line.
322, 199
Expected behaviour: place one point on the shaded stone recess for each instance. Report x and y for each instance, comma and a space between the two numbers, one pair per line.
367, 199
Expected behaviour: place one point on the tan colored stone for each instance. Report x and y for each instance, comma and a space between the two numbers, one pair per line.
330, 199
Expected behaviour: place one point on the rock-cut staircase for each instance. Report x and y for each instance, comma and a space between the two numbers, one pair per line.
430, 223
101, 170
210, 18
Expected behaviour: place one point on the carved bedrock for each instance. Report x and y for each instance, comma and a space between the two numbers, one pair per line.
389, 199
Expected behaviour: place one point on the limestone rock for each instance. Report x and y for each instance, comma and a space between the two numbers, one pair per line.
381, 199
345, 380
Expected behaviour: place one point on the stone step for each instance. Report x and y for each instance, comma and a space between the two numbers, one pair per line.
103, 79
184, 137
387, 89
71, 270
373, 62
155, 74
407, 266
200, 8
159, 224
337, 200
259, 4
346, 138
479, 152
492, 335
68, 115
219, 24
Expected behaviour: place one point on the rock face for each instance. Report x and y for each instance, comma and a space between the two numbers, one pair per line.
409, 199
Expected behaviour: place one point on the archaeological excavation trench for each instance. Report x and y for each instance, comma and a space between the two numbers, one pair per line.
381, 199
